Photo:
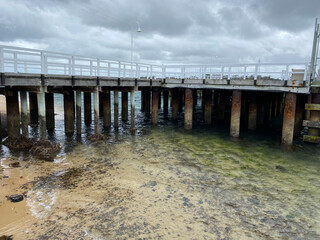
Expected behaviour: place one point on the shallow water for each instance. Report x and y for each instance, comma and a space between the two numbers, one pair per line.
164, 183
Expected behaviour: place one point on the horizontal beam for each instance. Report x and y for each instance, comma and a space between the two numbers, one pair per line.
311, 139
312, 107
311, 124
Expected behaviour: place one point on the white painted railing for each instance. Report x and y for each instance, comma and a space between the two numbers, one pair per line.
23, 60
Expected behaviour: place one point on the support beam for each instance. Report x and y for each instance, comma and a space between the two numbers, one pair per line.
188, 109
24, 114
235, 113
315, 115
301, 100
132, 103
33, 108
50, 111
215, 104
222, 106
147, 107
142, 101
159, 102
68, 99
181, 98
289, 118
165, 102
175, 103
96, 108
106, 108
124, 106
253, 109
42, 114
116, 109
261, 108
13, 118
87, 108
78, 112
207, 94
155, 107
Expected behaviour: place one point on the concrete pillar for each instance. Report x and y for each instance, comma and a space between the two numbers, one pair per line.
49, 97
116, 109
68, 99
13, 118
96, 110
124, 106
253, 109
24, 114
78, 112
289, 118
235, 113
188, 109
142, 101
222, 106
33, 108
207, 94
155, 107
165, 102
87, 108
132, 103
315, 115
42, 113
175, 103
147, 95
106, 108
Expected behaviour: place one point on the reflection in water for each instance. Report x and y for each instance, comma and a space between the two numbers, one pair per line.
164, 182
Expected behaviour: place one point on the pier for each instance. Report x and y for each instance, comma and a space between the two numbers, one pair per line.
243, 93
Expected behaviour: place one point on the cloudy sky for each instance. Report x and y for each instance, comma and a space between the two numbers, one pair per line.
173, 31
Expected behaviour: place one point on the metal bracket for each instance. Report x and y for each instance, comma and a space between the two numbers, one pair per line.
204, 81
98, 81
3, 79
151, 82
182, 80
135, 82
118, 81
164, 81
285, 83
73, 82
42, 80
255, 82
228, 82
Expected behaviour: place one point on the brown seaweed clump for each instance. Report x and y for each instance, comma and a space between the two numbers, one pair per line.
45, 149
97, 137
18, 143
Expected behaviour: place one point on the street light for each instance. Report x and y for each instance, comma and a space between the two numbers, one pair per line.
138, 30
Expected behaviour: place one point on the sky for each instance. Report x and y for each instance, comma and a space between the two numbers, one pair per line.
173, 31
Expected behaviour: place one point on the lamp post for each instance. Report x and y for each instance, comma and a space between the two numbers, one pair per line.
138, 30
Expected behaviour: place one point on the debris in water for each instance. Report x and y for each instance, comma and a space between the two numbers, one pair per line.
21, 142
16, 198
97, 137
15, 164
45, 149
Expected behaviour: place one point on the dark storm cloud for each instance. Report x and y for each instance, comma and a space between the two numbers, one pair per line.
173, 31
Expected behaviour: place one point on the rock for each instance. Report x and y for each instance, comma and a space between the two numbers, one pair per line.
97, 137
15, 164
3, 237
45, 149
281, 169
22, 143
16, 198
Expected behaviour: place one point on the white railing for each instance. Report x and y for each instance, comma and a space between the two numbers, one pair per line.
24, 60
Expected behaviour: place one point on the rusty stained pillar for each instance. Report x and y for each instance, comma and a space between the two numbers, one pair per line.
252, 113
124, 106
165, 102
315, 115
42, 113
106, 108
301, 100
188, 109
235, 113
13, 118
50, 111
68, 99
175, 103
132, 112
155, 107
24, 114
78, 112
207, 95
147, 96
289, 118
33, 108
96, 110
142, 101
87, 108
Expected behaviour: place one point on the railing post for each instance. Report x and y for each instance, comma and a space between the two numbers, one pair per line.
90, 68
256, 72
98, 67
205, 72
163, 71
42, 62
229, 73
287, 73
151, 72
119, 69
72, 65
124, 70
222, 70
305, 72
245, 73
137, 70
183, 72
15, 62
1, 60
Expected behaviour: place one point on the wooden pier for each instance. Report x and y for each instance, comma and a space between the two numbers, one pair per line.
245, 95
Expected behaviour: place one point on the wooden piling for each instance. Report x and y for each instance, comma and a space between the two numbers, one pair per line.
49, 97
165, 102
13, 118
106, 108
253, 109
215, 104
301, 100
155, 107
116, 109
124, 106
96, 110
175, 103
142, 101
188, 109
181, 98
289, 118
207, 94
24, 114
78, 112
132, 104
147, 107
33, 108
159, 102
42, 113
235, 113
68, 99
315, 115
222, 106
261, 108
87, 108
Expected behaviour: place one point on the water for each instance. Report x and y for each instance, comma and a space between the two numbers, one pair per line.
166, 183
